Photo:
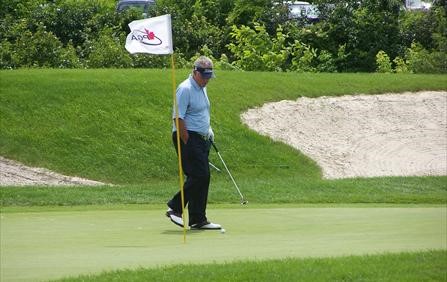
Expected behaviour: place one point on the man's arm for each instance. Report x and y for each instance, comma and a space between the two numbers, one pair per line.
183, 130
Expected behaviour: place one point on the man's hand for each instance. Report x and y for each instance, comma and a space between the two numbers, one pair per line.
184, 136
211, 135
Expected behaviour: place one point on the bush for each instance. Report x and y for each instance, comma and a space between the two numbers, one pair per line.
108, 52
254, 49
303, 57
383, 62
247, 35
41, 49
401, 65
6, 55
419, 59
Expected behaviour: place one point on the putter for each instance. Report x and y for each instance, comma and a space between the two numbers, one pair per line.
243, 201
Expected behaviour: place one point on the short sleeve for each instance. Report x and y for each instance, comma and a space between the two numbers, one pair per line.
182, 95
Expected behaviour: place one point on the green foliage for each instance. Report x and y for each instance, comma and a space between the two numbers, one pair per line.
401, 65
326, 62
196, 23
364, 29
419, 60
417, 26
107, 51
6, 55
269, 13
68, 34
255, 49
383, 62
303, 57
41, 49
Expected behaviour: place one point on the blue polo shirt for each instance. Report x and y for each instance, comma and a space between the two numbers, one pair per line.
193, 105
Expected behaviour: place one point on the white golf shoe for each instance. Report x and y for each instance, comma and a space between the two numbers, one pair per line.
175, 217
206, 225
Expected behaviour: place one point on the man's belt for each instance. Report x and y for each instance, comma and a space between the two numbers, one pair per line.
204, 137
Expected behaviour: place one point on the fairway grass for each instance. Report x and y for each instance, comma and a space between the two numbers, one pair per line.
70, 241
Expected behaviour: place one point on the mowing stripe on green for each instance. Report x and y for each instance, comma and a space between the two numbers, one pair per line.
48, 245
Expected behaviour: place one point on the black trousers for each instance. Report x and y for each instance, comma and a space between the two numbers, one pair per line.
196, 168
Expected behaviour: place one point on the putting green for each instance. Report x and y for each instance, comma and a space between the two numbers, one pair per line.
53, 244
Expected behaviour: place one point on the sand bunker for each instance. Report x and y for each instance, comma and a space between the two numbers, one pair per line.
16, 174
362, 136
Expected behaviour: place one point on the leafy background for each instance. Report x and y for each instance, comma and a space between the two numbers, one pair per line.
247, 35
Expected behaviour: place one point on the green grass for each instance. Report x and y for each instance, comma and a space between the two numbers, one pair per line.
114, 126
393, 190
55, 242
419, 266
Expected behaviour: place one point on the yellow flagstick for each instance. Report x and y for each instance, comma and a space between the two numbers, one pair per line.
180, 168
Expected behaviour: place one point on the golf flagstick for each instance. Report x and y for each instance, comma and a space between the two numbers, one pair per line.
180, 168
158, 41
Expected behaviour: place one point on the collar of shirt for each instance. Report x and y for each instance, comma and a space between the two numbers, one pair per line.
194, 83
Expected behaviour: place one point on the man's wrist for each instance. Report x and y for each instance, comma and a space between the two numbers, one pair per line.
185, 136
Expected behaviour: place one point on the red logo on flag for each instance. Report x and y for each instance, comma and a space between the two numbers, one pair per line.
146, 37
150, 34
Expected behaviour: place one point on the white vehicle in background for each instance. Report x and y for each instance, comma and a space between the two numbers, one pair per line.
141, 5
417, 5
303, 10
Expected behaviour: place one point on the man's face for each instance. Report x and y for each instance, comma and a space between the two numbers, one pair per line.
201, 81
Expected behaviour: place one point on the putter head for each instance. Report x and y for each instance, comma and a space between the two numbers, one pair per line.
244, 202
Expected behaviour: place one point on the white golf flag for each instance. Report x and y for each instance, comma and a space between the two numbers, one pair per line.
153, 36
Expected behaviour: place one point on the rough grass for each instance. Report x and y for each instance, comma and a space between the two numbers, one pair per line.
419, 266
393, 190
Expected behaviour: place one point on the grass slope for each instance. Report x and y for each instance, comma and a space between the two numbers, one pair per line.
114, 126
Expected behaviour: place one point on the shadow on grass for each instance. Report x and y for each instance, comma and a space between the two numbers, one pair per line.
180, 231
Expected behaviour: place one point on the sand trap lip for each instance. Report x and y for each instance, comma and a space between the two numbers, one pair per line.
13, 173
363, 135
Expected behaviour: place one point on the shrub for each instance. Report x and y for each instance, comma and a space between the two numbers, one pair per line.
401, 65
303, 57
419, 60
383, 62
42, 49
254, 49
248, 35
68, 57
6, 55
108, 51
326, 62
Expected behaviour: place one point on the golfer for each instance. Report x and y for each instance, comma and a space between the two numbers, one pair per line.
195, 135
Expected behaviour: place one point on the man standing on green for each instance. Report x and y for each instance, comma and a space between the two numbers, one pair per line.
195, 142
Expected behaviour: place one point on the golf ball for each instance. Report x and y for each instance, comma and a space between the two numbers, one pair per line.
222, 231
